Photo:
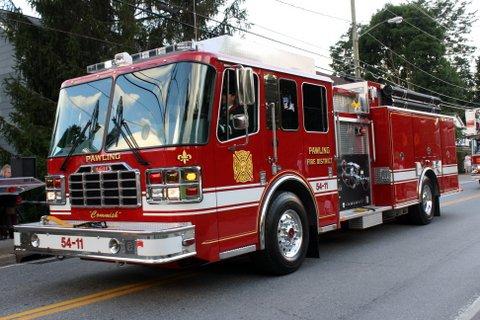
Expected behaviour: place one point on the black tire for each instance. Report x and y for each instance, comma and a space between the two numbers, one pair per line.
273, 259
423, 213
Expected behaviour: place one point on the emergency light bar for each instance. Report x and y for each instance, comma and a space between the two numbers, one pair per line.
123, 58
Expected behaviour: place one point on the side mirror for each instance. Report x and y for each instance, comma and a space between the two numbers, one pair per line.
245, 86
240, 122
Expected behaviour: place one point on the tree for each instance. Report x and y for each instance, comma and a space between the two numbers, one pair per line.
422, 50
74, 34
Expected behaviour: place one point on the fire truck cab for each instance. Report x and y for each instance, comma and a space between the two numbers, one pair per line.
198, 152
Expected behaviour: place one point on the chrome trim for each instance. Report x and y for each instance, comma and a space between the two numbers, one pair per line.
126, 236
266, 202
330, 227
350, 214
406, 204
141, 261
374, 146
420, 180
101, 190
237, 252
336, 120
354, 120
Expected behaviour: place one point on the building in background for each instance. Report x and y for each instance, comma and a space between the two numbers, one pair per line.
7, 63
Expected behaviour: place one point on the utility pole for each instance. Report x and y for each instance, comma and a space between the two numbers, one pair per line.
356, 52
195, 19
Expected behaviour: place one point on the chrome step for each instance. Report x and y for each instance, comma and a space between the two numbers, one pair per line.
346, 215
364, 217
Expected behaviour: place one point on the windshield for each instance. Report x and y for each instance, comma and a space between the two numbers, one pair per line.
162, 106
81, 115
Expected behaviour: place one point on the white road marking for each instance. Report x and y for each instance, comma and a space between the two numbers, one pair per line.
470, 311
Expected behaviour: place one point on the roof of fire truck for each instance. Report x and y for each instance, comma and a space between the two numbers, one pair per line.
225, 48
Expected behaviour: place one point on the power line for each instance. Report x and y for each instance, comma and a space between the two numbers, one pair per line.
279, 42
66, 32
415, 66
417, 28
313, 11
410, 63
377, 76
165, 17
419, 86
420, 9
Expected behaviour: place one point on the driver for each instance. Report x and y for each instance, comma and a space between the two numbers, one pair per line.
228, 108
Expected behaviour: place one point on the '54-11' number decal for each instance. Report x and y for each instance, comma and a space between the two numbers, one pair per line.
67, 242
321, 186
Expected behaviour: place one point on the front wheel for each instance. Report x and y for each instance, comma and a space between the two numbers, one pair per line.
423, 213
286, 235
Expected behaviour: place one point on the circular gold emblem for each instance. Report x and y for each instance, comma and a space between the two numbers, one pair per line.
242, 166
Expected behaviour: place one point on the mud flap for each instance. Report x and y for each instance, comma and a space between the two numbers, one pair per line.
437, 206
313, 250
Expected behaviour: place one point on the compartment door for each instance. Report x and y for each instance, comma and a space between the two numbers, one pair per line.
403, 155
353, 165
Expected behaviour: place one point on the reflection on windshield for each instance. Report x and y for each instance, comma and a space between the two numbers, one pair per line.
81, 117
167, 105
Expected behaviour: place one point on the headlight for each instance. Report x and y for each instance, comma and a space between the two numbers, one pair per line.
35, 241
114, 246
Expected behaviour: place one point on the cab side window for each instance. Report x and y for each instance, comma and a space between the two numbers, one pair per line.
315, 108
288, 104
229, 107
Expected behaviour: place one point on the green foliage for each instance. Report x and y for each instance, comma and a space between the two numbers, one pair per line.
431, 38
74, 34
5, 157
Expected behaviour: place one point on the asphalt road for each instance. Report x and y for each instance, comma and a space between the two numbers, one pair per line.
393, 271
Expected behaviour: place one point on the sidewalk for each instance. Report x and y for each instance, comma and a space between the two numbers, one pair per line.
6, 252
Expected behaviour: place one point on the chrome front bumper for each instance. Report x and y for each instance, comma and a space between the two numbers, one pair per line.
146, 243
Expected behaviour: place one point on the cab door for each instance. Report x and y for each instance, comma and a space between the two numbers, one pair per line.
238, 161
281, 95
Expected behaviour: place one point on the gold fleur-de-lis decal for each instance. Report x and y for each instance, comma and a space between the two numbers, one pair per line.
184, 157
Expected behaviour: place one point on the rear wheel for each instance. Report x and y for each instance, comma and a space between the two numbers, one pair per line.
423, 213
286, 236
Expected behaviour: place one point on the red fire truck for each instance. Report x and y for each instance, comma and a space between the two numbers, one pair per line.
198, 152
475, 159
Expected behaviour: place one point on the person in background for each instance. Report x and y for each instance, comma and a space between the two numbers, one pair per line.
6, 171
7, 207
467, 164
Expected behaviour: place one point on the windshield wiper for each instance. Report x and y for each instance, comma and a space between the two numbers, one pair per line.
81, 137
121, 124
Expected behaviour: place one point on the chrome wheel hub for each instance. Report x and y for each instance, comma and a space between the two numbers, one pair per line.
290, 234
427, 200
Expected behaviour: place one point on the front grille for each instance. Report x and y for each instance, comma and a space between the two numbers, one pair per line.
118, 188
